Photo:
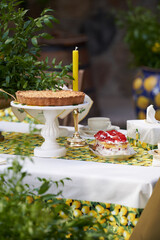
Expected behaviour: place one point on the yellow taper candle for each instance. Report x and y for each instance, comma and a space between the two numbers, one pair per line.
75, 60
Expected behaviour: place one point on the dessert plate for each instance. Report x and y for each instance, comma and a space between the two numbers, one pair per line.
89, 132
115, 157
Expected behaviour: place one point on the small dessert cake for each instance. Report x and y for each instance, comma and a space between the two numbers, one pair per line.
111, 143
50, 98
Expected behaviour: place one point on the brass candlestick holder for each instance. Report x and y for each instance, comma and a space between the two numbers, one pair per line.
76, 140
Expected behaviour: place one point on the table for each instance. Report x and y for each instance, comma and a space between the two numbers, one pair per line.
103, 184
127, 185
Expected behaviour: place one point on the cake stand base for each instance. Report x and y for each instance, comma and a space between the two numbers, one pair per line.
50, 130
40, 152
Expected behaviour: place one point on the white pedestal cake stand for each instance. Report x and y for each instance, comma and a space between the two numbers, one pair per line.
50, 131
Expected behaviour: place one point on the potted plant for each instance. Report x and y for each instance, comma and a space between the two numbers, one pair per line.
20, 68
142, 35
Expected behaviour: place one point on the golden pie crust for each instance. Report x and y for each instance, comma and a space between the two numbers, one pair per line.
50, 98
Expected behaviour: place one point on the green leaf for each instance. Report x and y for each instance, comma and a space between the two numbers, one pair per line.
34, 41
48, 22
9, 40
44, 187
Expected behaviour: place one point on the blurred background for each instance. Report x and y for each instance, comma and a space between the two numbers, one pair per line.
104, 57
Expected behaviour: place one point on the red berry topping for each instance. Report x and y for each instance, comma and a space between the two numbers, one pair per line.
112, 136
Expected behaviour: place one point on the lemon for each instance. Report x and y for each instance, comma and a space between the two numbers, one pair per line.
107, 212
69, 201
62, 214
115, 212
85, 209
131, 216
77, 213
113, 223
135, 221
76, 204
157, 115
149, 83
111, 218
144, 145
123, 220
6, 198
157, 99
99, 208
118, 206
141, 115
93, 228
102, 221
137, 83
107, 205
2, 114
126, 235
142, 102
85, 228
68, 235
123, 211
29, 199
120, 230
92, 213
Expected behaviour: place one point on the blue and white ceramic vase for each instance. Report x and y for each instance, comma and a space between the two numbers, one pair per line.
146, 91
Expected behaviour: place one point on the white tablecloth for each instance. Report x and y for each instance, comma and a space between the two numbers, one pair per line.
127, 185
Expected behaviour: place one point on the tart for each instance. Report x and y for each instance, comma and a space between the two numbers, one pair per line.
50, 98
111, 143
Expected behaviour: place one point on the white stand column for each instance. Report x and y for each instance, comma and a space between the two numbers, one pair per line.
50, 131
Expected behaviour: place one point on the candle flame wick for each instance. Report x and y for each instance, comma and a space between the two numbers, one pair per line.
76, 48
